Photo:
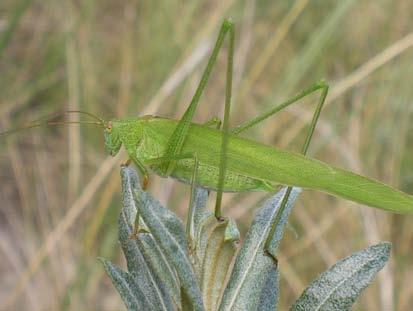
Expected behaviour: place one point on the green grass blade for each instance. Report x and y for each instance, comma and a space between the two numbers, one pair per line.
14, 21
314, 50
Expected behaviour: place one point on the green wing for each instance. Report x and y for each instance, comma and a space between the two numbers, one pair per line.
257, 161
293, 169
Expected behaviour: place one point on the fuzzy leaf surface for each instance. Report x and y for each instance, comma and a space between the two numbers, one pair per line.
338, 287
218, 253
130, 291
254, 272
145, 262
168, 231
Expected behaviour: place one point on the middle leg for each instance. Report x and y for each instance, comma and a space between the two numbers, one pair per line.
323, 87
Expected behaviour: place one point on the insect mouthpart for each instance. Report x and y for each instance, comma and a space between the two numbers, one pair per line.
109, 127
112, 141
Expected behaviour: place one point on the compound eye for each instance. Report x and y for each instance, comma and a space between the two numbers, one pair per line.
109, 127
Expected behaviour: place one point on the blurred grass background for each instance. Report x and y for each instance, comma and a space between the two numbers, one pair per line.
60, 192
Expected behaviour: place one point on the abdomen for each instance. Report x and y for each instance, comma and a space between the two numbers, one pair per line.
208, 175
206, 144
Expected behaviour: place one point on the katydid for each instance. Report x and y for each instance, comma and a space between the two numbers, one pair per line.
226, 162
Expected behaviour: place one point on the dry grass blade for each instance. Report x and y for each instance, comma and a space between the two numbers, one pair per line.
272, 46
58, 232
370, 66
91, 188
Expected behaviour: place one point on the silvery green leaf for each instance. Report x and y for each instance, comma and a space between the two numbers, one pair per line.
270, 291
146, 265
232, 233
167, 229
161, 268
196, 213
200, 212
144, 272
200, 200
203, 232
252, 268
217, 256
130, 182
130, 291
338, 287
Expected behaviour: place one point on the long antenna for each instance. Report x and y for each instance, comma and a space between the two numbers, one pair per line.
103, 122
48, 123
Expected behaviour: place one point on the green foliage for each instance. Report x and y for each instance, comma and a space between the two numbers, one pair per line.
171, 270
